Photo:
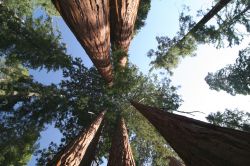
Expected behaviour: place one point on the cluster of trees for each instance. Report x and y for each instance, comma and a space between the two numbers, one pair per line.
28, 41
225, 25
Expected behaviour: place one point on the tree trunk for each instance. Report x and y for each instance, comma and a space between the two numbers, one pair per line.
75, 151
174, 162
90, 154
121, 153
220, 5
123, 14
199, 143
89, 21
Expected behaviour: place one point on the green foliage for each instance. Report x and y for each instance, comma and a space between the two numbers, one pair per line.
224, 31
233, 79
231, 118
10, 73
27, 106
148, 146
167, 56
22, 120
85, 91
27, 7
142, 13
31, 41
18, 139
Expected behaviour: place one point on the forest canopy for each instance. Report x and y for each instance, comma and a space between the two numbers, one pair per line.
31, 41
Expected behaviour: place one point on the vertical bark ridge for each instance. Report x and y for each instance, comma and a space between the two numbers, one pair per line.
199, 143
90, 154
89, 21
123, 15
121, 153
73, 153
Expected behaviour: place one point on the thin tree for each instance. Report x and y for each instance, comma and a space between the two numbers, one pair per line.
123, 15
220, 5
197, 142
121, 153
74, 152
169, 51
89, 21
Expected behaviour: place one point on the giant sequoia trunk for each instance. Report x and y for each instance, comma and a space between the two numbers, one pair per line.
90, 154
123, 15
199, 143
121, 153
89, 21
74, 152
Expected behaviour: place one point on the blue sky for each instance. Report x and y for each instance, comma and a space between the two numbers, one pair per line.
190, 74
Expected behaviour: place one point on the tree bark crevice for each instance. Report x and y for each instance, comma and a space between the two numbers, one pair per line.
197, 142
89, 22
122, 20
121, 152
74, 152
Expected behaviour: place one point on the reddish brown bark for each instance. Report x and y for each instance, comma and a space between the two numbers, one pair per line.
90, 154
73, 153
123, 15
174, 162
89, 21
121, 153
199, 143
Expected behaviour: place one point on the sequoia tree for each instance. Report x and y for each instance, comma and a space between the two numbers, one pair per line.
89, 21
73, 153
83, 88
204, 143
122, 20
121, 153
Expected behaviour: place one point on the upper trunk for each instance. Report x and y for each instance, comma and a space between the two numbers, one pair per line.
89, 21
220, 5
73, 153
123, 15
199, 143
121, 153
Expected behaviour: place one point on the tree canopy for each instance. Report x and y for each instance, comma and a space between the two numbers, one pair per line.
32, 42
222, 31
29, 40
235, 119
234, 78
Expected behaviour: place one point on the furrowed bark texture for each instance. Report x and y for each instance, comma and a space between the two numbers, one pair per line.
90, 154
174, 162
199, 143
74, 152
123, 15
121, 153
89, 21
